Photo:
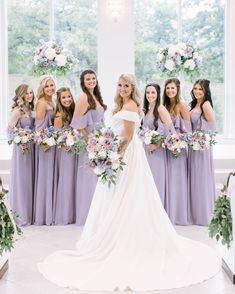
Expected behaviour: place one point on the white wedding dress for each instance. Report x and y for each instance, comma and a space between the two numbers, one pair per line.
128, 241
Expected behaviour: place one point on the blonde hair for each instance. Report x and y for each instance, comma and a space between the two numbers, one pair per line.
135, 93
18, 100
42, 85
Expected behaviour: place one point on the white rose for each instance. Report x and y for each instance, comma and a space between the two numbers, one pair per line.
183, 144
69, 141
114, 156
98, 171
91, 155
102, 154
17, 139
182, 46
196, 146
172, 50
61, 60
195, 55
50, 141
116, 165
170, 65
50, 53
24, 139
147, 140
190, 64
160, 56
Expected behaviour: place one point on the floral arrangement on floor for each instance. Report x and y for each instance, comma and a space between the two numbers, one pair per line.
221, 224
46, 138
22, 138
71, 140
176, 59
104, 159
175, 143
200, 140
51, 58
148, 137
8, 229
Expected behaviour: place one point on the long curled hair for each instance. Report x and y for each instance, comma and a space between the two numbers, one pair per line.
42, 85
166, 99
205, 84
18, 99
135, 93
97, 93
66, 113
157, 104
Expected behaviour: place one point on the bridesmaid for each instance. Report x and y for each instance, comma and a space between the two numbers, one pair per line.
157, 118
22, 167
177, 196
201, 169
44, 161
89, 111
64, 178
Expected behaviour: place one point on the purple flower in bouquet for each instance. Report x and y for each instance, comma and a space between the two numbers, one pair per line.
46, 138
175, 143
201, 140
71, 140
22, 137
102, 148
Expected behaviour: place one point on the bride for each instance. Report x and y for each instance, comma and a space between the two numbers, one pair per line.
128, 241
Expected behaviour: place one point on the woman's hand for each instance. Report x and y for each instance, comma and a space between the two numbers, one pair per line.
153, 147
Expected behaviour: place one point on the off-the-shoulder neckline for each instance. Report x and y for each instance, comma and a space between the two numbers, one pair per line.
124, 110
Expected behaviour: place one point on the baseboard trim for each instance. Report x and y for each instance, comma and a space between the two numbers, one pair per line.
228, 271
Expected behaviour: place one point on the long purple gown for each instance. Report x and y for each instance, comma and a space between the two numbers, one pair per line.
64, 188
201, 176
85, 178
44, 177
177, 206
22, 179
157, 160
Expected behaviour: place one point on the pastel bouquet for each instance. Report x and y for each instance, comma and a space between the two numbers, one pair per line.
180, 58
175, 143
104, 159
151, 137
46, 138
51, 57
71, 140
201, 140
22, 138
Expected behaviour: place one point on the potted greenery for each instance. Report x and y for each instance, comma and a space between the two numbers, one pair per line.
8, 230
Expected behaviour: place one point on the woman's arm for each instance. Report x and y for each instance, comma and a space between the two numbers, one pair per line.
80, 109
164, 115
58, 121
41, 109
15, 116
184, 111
208, 111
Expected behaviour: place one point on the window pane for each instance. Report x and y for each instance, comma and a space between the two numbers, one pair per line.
203, 25
154, 21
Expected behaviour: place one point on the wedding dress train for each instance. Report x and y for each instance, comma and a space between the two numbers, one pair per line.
128, 241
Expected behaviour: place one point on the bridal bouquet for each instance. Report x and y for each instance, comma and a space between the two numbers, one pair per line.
173, 59
175, 143
46, 138
22, 138
102, 148
50, 57
71, 140
201, 140
151, 137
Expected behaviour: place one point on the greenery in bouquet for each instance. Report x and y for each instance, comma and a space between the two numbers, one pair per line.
8, 229
51, 58
22, 137
179, 59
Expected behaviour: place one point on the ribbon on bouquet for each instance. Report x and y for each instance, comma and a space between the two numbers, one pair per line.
3, 200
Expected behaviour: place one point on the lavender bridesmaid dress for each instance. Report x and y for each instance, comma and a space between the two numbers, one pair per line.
177, 197
22, 179
157, 160
201, 177
44, 175
64, 188
85, 178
